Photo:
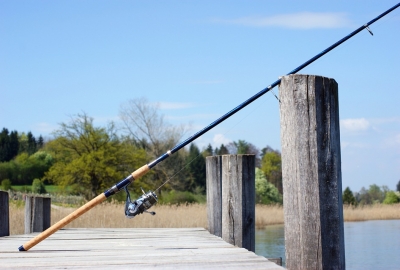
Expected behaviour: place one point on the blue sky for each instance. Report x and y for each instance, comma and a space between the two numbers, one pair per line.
200, 59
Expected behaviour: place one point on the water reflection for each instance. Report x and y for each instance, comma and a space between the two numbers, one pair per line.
270, 242
368, 244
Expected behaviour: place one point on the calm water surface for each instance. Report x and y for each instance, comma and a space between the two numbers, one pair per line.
368, 244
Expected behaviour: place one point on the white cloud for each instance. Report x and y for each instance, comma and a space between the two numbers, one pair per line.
175, 105
302, 20
354, 125
219, 139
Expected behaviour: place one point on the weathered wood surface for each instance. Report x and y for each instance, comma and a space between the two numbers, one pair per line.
238, 200
4, 214
187, 248
37, 213
311, 171
214, 194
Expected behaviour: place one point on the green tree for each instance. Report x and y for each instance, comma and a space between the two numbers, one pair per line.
348, 197
38, 187
222, 150
4, 145
375, 194
14, 144
398, 186
6, 184
391, 198
91, 159
32, 145
241, 147
266, 193
208, 151
196, 169
271, 165
40, 142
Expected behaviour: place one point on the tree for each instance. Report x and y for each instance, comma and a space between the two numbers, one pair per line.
6, 184
398, 186
32, 145
241, 147
391, 198
208, 151
90, 159
38, 186
4, 145
375, 194
14, 144
147, 129
222, 150
40, 142
266, 193
271, 165
348, 197
196, 170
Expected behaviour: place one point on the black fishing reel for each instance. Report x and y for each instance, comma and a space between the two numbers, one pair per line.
145, 202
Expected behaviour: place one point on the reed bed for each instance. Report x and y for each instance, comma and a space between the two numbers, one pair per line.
111, 215
371, 212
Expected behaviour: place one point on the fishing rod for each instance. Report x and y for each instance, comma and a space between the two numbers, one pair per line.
147, 200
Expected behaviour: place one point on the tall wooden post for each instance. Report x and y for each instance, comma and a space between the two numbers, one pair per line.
4, 214
214, 194
311, 171
37, 214
231, 199
238, 200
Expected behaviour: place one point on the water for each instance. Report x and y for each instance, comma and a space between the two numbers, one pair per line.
368, 244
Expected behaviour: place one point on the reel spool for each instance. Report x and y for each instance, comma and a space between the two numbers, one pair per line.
141, 205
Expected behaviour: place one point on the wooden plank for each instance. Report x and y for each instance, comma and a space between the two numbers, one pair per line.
181, 248
311, 170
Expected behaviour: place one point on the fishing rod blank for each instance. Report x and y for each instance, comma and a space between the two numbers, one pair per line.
147, 200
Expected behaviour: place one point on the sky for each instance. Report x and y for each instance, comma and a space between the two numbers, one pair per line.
198, 60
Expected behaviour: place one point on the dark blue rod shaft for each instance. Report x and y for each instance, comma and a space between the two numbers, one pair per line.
265, 90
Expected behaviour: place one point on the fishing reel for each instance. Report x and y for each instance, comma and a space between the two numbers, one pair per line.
141, 205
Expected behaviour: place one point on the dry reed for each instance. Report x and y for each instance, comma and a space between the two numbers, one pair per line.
371, 212
111, 215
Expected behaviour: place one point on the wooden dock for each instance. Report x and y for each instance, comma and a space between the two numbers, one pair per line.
187, 248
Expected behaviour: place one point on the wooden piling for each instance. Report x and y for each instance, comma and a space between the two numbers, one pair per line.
311, 171
4, 214
37, 214
214, 194
231, 199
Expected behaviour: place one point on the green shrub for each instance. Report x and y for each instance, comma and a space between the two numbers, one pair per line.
266, 193
38, 186
391, 198
6, 184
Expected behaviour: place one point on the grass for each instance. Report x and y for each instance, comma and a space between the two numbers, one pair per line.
52, 189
